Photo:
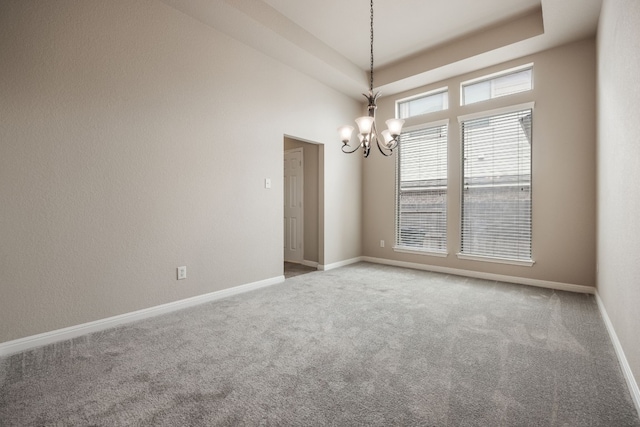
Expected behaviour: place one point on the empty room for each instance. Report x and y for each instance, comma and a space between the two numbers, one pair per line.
203, 221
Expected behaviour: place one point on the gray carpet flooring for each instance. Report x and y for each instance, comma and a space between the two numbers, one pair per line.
363, 345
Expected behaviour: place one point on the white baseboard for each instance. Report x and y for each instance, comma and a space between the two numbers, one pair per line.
488, 276
339, 264
22, 344
624, 364
311, 264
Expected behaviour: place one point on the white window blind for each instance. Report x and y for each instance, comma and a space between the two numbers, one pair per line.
422, 189
496, 196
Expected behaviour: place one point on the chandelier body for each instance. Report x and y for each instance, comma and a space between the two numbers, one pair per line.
368, 134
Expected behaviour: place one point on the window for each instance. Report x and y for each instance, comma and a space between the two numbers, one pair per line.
505, 83
422, 189
496, 193
429, 102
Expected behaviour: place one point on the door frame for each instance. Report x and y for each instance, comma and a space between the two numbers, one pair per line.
320, 200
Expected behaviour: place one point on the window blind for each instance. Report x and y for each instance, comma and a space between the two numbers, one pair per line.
422, 189
496, 195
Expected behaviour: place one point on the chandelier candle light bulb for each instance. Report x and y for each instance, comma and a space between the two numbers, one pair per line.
394, 126
367, 131
345, 133
364, 124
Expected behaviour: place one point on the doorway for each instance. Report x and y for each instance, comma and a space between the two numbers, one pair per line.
310, 235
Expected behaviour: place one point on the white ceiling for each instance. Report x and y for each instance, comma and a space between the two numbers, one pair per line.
417, 42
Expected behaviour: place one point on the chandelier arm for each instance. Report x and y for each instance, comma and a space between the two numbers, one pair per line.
394, 145
382, 151
374, 134
349, 152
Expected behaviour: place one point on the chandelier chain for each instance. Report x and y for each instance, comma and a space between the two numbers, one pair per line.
371, 73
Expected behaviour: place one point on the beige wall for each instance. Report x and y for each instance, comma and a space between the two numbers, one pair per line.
619, 171
563, 170
310, 212
135, 139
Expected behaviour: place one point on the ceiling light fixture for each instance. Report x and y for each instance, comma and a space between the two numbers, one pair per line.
368, 133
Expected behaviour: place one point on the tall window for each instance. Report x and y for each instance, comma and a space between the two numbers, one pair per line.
496, 194
422, 189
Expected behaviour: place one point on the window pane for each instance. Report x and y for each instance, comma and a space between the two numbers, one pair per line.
511, 83
477, 92
496, 196
422, 189
424, 104
495, 87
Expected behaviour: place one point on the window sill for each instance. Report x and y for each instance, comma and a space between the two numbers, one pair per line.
523, 263
414, 251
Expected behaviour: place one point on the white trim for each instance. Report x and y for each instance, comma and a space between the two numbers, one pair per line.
423, 94
496, 111
404, 250
524, 263
427, 125
498, 74
339, 264
26, 343
312, 264
488, 276
624, 364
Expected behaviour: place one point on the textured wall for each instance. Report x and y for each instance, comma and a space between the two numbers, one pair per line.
563, 168
619, 171
135, 139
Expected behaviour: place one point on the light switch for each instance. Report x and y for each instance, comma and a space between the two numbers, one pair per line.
267, 183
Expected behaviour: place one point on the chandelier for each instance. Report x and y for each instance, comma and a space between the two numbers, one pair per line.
387, 140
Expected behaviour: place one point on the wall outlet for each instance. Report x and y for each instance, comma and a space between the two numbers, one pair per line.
182, 272
382, 243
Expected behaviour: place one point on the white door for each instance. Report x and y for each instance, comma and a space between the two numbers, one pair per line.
293, 187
